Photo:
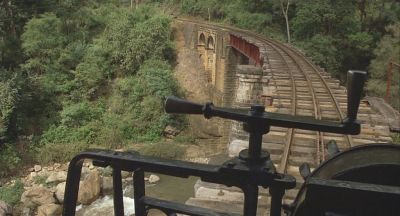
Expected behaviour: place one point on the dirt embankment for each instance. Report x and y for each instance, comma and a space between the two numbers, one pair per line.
192, 78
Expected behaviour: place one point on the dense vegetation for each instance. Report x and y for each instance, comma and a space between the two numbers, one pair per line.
338, 35
81, 73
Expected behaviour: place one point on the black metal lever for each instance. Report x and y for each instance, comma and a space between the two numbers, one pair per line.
263, 119
177, 105
355, 84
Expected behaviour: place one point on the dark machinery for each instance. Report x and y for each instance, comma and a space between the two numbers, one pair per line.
340, 186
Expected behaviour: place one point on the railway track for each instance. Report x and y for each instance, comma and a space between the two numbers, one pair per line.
301, 88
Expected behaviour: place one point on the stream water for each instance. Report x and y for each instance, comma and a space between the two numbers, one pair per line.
168, 188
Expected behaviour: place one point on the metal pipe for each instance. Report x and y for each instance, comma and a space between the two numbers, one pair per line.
72, 186
139, 192
118, 195
250, 200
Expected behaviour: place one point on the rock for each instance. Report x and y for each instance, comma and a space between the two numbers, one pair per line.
153, 179
86, 164
56, 165
5, 209
37, 196
170, 131
57, 177
125, 174
60, 190
50, 168
107, 185
26, 212
107, 171
49, 210
89, 188
37, 168
32, 174
85, 171
31, 169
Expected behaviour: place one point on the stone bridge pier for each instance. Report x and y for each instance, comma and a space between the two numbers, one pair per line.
236, 71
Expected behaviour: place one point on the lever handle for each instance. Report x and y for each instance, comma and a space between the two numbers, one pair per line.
355, 85
177, 105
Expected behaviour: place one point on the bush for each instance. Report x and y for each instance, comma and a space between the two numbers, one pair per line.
108, 78
12, 194
79, 114
58, 152
9, 159
163, 150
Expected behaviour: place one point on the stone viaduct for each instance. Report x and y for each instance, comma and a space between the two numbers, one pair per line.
241, 70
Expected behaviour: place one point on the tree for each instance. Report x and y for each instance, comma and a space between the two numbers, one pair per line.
285, 9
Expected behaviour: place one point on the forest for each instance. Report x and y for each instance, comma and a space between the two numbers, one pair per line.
75, 73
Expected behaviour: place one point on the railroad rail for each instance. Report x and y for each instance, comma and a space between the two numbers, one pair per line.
304, 89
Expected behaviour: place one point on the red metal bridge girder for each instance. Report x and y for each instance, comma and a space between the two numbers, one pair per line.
248, 49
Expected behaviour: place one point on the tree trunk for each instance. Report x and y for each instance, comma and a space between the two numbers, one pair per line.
11, 25
285, 14
287, 29
137, 2
363, 13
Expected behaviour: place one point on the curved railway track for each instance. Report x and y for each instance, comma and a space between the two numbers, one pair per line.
301, 89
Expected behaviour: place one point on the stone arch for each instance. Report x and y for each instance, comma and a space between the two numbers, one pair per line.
202, 39
210, 43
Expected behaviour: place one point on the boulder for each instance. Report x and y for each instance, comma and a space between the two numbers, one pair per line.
37, 168
170, 131
37, 196
26, 212
5, 209
60, 190
125, 174
56, 165
107, 185
57, 177
85, 171
153, 179
89, 188
49, 210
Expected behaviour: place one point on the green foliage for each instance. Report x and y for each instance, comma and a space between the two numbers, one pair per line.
93, 73
396, 138
108, 90
136, 105
43, 36
322, 51
388, 49
79, 114
324, 17
9, 159
253, 15
40, 179
238, 16
12, 194
163, 150
8, 100
58, 152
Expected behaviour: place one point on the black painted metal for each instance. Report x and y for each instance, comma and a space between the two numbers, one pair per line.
118, 194
251, 169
